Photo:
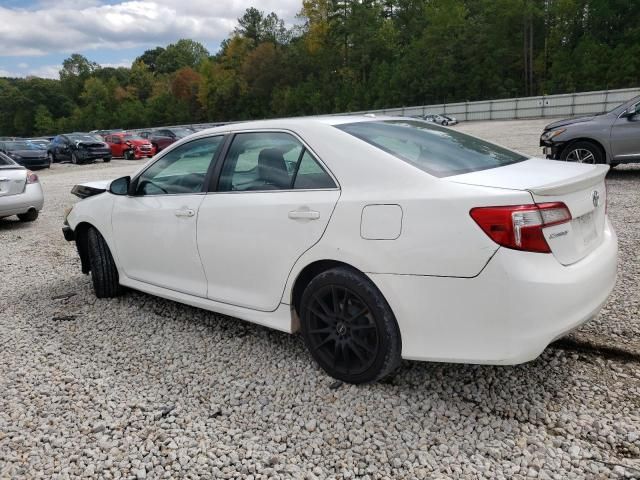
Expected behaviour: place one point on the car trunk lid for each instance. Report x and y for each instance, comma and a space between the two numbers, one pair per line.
12, 180
580, 187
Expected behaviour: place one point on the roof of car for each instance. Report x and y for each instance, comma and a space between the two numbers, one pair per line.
291, 121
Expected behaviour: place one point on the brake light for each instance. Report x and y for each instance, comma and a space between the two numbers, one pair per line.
31, 177
520, 226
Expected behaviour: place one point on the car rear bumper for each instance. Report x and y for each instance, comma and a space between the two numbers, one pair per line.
32, 197
508, 314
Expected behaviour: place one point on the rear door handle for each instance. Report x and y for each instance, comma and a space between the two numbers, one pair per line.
185, 212
304, 215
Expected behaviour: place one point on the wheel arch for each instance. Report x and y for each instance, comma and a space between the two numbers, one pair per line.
306, 275
597, 143
82, 244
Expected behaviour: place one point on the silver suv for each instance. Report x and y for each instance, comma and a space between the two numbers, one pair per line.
612, 137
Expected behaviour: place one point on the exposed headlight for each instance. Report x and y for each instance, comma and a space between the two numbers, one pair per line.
552, 133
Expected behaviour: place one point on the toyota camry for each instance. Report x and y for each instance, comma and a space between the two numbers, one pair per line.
376, 238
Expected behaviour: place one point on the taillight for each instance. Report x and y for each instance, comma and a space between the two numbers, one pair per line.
31, 177
520, 226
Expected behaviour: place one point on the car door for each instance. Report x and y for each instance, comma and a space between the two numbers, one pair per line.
62, 150
272, 202
625, 137
155, 227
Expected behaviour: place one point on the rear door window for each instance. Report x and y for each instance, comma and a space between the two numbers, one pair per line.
436, 150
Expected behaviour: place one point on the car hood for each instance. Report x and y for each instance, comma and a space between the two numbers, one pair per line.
567, 121
29, 153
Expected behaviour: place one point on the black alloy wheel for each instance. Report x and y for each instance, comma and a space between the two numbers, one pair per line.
349, 328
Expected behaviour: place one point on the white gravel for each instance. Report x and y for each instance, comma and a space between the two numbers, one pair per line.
140, 387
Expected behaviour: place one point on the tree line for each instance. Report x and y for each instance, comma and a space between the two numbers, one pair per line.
343, 55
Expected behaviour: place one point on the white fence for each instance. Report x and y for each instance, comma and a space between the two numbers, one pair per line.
564, 105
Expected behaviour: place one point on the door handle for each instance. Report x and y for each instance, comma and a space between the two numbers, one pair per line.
304, 215
185, 212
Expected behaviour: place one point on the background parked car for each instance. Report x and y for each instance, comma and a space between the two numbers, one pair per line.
20, 191
130, 146
161, 138
41, 143
78, 148
612, 137
25, 153
440, 119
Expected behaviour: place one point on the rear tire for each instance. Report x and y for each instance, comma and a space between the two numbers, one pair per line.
349, 327
104, 273
583, 151
30, 216
106, 160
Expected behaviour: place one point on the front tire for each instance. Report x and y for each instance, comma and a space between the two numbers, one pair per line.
29, 216
349, 327
583, 152
52, 158
104, 273
74, 158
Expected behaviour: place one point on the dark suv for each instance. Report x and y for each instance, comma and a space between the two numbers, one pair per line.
78, 148
612, 137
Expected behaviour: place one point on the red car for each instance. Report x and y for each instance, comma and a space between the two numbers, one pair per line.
129, 146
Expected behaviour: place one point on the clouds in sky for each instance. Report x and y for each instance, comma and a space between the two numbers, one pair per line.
101, 29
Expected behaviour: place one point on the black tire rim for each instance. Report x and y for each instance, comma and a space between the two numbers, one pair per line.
342, 332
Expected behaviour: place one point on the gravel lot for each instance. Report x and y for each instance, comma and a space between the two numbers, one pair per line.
140, 387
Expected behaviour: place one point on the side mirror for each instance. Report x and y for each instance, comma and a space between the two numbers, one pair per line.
120, 186
632, 111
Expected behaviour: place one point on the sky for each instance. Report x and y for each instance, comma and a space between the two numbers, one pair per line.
37, 35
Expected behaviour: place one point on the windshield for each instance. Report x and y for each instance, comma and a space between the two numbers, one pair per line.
21, 146
82, 138
6, 161
132, 137
436, 150
631, 101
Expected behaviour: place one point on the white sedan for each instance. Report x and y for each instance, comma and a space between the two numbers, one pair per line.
377, 238
20, 191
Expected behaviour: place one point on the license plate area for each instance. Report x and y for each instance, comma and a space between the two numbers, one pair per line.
587, 226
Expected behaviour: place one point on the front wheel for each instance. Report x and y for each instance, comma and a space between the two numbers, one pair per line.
74, 158
104, 273
349, 327
52, 158
583, 152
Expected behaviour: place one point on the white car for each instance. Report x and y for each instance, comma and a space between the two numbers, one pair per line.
20, 191
377, 238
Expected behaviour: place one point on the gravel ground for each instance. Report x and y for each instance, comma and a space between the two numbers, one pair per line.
140, 387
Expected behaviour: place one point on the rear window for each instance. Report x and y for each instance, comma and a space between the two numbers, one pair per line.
6, 161
439, 151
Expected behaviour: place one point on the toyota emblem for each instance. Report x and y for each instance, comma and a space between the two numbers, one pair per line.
595, 198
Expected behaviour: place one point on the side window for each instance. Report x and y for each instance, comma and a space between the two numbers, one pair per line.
260, 161
108, 139
181, 171
311, 175
117, 140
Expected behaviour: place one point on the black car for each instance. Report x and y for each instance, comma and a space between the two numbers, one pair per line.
25, 153
78, 148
